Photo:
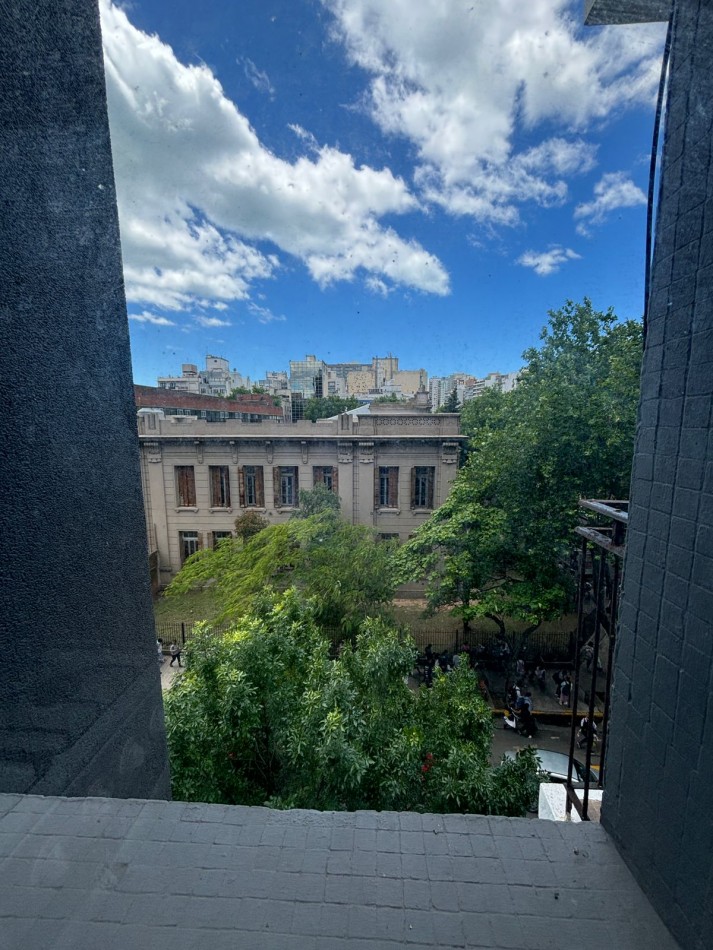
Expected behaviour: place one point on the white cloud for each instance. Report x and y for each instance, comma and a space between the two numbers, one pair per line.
466, 82
614, 190
548, 262
258, 77
212, 322
147, 317
196, 190
264, 314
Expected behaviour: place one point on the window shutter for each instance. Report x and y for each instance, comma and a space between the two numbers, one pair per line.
214, 486
259, 487
413, 487
393, 487
431, 480
241, 485
296, 499
277, 499
377, 474
317, 475
226, 485
335, 479
191, 487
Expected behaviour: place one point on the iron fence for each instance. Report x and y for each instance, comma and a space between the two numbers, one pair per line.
545, 646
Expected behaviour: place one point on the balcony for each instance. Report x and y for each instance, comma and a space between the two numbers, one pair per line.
107, 873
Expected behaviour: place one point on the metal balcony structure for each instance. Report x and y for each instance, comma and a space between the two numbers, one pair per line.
603, 537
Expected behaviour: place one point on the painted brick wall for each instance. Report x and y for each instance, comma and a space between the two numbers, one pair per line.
80, 704
659, 801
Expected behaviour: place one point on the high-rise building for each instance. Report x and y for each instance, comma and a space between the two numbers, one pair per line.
217, 379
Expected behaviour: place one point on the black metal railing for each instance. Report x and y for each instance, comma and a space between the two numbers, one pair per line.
600, 559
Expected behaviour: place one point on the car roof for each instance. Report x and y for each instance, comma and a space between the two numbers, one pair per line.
556, 763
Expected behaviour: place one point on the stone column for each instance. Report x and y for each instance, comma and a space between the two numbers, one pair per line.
80, 705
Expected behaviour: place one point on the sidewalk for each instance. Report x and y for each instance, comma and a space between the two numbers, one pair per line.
169, 673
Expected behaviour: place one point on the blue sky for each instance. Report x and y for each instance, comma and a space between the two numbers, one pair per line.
356, 177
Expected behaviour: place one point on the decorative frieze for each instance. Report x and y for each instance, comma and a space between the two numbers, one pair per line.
345, 452
366, 453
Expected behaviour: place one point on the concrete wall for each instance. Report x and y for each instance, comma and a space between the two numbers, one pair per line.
80, 704
659, 796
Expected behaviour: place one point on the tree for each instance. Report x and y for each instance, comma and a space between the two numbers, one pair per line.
315, 500
391, 398
345, 567
323, 407
500, 546
263, 715
451, 404
249, 524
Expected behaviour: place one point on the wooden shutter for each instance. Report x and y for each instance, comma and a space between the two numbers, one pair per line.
335, 479
431, 480
241, 485
215, 499
317, 475
377, 479
393, 487
413, 487
259, 487
191, 487
277, 497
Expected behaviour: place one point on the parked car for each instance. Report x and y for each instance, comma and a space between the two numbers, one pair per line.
556, 764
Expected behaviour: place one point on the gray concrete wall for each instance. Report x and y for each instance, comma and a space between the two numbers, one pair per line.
659, 797
80, 706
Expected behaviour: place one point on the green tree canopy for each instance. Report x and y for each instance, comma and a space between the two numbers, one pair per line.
346, 568
323, 407
500, 545
315, 500
263, 715
451, 404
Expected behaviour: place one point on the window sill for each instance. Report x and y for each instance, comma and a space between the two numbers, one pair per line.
214, 510
187, 509
261, 510
422, 511
388, 511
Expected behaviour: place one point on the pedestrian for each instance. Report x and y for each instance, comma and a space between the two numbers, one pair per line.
175, 652
159, 649
540, 677
520, 671
565, 688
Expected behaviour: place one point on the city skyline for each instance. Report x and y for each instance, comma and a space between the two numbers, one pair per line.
346, 177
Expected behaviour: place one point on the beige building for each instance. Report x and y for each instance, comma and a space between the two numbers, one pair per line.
389, 470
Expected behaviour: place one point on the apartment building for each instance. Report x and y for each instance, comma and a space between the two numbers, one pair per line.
217, 379
390, 471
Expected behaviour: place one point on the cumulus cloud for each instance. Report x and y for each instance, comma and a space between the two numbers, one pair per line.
465, 83
614, 190
197, 191
548, 262
148, 317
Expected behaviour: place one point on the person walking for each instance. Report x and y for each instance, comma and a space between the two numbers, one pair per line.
159, 650
175, 652
565, 688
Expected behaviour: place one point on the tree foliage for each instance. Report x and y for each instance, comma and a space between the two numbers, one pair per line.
314, 501
249, 524
349, 572
500, 545
323, 407
264, 715
451, 404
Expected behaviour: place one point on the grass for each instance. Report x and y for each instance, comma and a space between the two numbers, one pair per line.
197, 605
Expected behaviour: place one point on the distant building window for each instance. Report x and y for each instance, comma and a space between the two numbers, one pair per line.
185, 486
325, 475
189, 544
387, 487
286, 486
422, 478
220, 536
252, 487
219, 486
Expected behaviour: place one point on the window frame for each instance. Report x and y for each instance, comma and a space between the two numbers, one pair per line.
423, 478
219, 478
386, 487
185, 482
183, 540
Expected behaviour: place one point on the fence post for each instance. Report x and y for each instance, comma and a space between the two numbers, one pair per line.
183, 633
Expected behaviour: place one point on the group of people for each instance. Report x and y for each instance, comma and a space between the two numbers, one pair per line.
173, 649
